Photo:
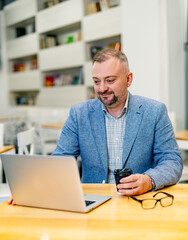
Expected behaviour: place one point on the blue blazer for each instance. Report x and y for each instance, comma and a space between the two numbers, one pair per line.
149, 136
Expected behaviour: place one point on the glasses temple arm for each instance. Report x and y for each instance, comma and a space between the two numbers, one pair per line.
136, 199
168, 194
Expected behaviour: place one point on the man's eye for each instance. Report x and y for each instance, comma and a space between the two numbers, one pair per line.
110, 80
96, 82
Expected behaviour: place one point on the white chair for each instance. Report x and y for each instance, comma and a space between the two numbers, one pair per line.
26, 142
172, 116
1, 144
1, 134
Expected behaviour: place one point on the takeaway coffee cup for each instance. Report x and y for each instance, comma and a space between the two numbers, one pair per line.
121, 173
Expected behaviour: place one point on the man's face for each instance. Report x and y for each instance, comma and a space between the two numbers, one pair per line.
111, 80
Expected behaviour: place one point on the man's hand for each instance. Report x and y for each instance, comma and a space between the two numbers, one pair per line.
135, 184
10, 200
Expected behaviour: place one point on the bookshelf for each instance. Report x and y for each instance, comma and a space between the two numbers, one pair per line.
60, 57
22, 52
50, 45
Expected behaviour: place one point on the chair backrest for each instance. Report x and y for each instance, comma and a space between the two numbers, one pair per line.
26, 140
1, 134
172, 117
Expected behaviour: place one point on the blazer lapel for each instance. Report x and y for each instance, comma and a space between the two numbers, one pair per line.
133, 120
98, 127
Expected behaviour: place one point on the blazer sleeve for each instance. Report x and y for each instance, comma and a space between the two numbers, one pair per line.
167, 158
68, 143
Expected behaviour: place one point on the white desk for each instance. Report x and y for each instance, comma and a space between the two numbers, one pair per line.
3, 150
182, 139
4, 192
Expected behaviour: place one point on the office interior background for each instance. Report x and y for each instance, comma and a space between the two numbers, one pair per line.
46, 48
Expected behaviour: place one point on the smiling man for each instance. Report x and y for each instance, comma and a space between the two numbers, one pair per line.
119, 128
106, 130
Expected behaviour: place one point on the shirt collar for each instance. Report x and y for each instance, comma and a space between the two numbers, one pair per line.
124, 110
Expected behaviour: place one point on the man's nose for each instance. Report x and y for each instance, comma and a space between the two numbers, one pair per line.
103, 87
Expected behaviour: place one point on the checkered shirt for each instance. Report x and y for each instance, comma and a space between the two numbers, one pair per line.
115, 130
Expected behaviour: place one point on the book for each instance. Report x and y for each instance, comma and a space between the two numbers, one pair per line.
114, 3
106, 4
92, 7
33, 64
20, 31
79, 37
94, 50
30, 28
51, 40
42, 42
115, 45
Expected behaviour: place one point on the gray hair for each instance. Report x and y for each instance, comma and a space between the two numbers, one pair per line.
107, 53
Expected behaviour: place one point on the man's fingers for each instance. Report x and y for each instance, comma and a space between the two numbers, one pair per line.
129, 185
135, 184
131, 178
10, 201
129, 192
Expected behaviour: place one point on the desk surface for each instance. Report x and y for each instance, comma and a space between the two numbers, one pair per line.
182, 135
4, 149
6, 119
119, 218
57, 125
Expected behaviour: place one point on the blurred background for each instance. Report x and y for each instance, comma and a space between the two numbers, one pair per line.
46, 51
47, 46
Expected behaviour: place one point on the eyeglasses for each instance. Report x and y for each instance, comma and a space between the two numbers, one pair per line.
150, 203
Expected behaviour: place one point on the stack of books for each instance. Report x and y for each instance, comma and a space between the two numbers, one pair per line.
100, 5
48, 41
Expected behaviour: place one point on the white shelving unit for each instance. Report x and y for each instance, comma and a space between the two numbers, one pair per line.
19, 11
62, 57
25, 81
65, 96
60, 15
22, 46
102, 25
57, 22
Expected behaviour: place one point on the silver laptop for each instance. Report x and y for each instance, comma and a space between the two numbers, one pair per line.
48, 182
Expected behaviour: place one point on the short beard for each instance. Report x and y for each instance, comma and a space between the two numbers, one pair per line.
111, 103
115, 100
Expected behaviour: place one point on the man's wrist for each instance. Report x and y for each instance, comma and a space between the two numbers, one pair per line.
151, 181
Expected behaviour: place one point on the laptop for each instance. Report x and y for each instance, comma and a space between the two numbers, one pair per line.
48, 182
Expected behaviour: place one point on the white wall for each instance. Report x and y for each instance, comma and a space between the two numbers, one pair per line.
177, 24
141, 44
3, 69
153, 39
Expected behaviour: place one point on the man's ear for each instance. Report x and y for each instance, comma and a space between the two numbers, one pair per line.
129, 79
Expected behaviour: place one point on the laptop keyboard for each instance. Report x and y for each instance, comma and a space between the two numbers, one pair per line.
89, 202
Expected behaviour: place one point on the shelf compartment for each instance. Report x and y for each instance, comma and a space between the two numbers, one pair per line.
102, 24
25, 81
18, 48
20, 11
65, 77
64, 56
60, 15
109, 42
62, 96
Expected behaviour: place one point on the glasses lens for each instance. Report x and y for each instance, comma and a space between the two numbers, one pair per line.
166, 201
148, 203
